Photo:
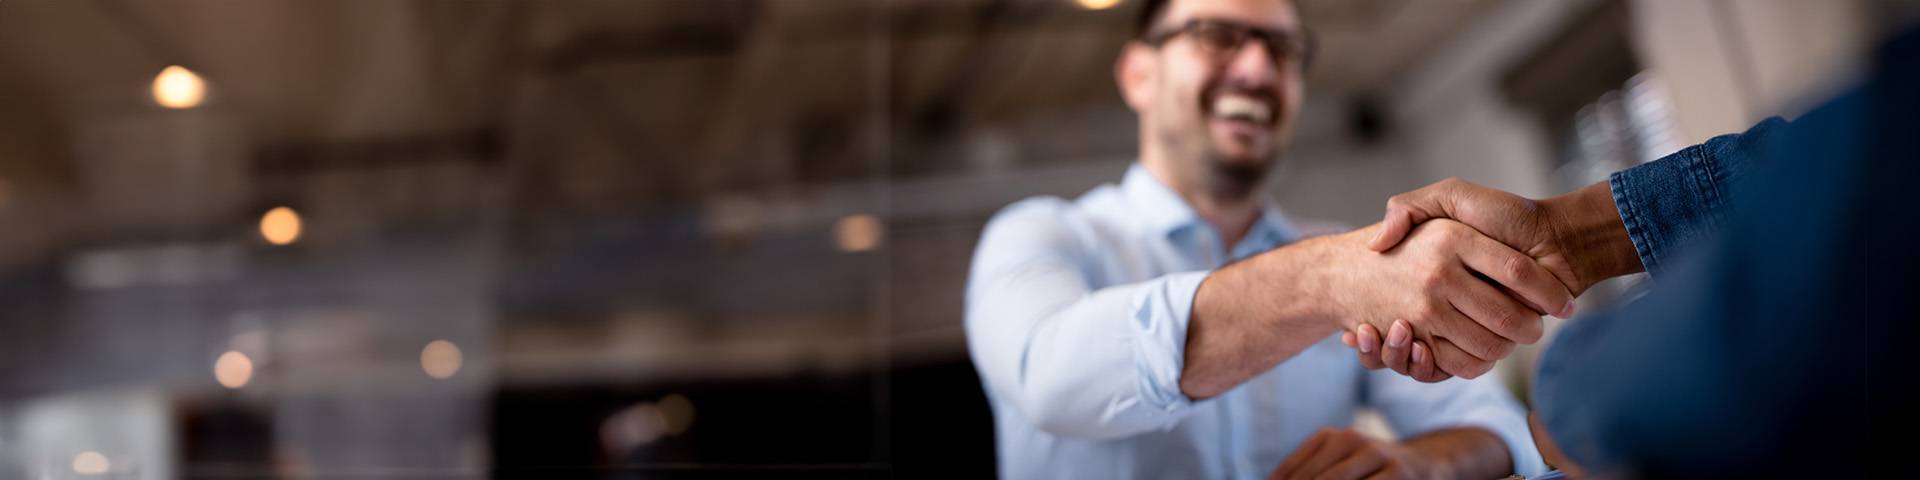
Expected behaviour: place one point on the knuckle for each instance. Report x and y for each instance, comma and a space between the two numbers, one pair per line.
1397, 201
1458, 365
1476, 368
1433, 278
1517, 268
1531, 332
1514, 322
1502, 349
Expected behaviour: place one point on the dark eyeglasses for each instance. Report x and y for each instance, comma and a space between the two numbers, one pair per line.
1221, 39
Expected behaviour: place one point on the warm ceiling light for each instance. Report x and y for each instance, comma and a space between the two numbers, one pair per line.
233, 369
1097, 4
177, 87
858, 233
280, 226
441, 359
91, 463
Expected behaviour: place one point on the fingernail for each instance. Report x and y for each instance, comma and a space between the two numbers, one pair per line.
1399, 334
1366, 341
1566, 311
1419, 354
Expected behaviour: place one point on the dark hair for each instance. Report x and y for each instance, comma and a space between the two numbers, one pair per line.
1150, 11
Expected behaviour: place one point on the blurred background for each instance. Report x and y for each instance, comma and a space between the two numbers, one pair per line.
681, 238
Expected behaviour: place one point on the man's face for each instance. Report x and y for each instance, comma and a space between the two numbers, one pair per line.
1231, 110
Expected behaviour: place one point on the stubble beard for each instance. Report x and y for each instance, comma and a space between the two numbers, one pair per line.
1210, 171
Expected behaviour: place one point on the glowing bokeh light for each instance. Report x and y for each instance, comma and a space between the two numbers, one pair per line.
233, 369
678, 413
178, 88
1097, 4
441, 359
91, 463
280, 226
858, 233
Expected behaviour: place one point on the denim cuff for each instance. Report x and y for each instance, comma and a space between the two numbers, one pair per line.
1670, 202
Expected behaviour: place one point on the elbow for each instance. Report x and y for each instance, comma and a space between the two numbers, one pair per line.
1055, 418
1070, 413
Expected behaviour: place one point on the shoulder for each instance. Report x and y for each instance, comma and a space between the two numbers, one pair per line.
1035, 209
1033, 222
1083, 212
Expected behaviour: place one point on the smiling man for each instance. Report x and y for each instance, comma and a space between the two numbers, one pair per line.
1177, 325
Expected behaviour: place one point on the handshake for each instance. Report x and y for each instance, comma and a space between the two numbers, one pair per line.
1457, 274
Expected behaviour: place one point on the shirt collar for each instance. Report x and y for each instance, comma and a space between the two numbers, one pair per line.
1163, 212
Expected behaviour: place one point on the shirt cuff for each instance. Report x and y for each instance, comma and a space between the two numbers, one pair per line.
1160, 315
1672, 201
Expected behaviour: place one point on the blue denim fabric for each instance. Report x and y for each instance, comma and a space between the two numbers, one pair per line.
1672, 202
1766, 349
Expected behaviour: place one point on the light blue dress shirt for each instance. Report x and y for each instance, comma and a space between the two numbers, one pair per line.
1077, 322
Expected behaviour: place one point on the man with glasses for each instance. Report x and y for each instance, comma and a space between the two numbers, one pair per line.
1177, 325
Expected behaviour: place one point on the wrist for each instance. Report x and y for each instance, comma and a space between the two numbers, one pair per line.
1460, 452
1424, 461
1312, 271
1588, 230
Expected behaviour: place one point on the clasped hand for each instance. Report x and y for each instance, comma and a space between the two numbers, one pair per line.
1488, 265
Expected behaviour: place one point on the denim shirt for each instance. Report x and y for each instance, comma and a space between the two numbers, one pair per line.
1672, 202
1768, 338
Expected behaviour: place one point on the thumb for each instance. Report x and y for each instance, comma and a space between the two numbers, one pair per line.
1393, 228
1406, 210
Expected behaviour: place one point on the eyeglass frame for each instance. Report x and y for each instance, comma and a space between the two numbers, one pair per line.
1268, 37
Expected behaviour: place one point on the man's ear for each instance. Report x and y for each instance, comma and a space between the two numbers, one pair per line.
1136, 73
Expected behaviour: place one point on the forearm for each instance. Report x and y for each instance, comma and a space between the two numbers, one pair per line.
1588, 226
1464, 452
1254, 314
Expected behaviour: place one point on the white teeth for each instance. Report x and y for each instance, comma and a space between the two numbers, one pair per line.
1236, 107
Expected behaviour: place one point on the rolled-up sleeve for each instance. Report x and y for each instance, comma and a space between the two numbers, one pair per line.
1412, 407
1075, 360
1674, 201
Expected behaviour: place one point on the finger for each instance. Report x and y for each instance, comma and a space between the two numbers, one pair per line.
1393, 228
1347, 338
1493, 309
1361, 463
1394, 352
1368, 338
1457, 362
1338, 445
1367, 341
1388, 473
1423, 366
1408, 209
1516, 271
1466, 331
1301, 454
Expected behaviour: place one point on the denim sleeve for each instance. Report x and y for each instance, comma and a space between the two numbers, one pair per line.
1670, 202
1748, 358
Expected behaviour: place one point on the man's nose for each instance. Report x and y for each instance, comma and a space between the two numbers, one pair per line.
1252, 64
